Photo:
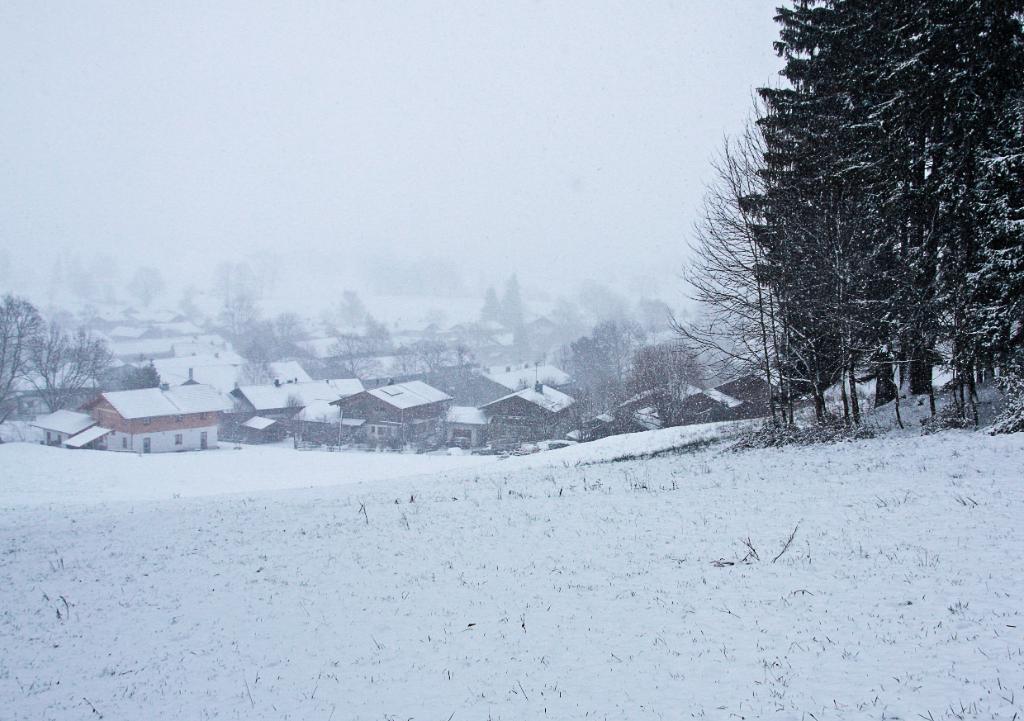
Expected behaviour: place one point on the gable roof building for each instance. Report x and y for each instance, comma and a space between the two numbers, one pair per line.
157, 402
410, 394
397, 414
527, 415
289, 398
526, 375
152, 420
62, 425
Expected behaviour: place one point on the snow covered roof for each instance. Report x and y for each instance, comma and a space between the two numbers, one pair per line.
219, 370
124, 331
201, 345
142, 403
70, 422
285, 371
270, 396
259, 423
155, 315
175, 345
468, 415
320, 411
87, 436
722, 398
409, 395
198, 398
109, 314
525, 375
547, 398
648, 418
686, 390
318, 347
153, 402
183, 327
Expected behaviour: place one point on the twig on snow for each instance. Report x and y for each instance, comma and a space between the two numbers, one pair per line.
248, 691
751, 551
92, 707
789, 540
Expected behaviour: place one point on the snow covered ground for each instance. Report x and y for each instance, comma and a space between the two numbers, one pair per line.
61, 476
547, 586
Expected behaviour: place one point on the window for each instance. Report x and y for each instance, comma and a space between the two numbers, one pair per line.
124, 442
145, 421
177, 439
178, 418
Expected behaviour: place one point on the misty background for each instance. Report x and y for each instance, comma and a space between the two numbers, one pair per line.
391, 148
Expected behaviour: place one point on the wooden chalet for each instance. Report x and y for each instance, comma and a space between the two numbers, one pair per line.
398, 414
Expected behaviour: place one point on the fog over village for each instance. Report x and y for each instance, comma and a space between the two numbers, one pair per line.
542, 359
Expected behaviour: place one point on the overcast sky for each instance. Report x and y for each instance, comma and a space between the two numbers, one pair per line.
562, 140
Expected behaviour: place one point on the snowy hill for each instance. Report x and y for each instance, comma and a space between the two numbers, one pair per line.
553, 585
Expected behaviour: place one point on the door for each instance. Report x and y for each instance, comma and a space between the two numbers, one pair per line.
202, 440
145, 445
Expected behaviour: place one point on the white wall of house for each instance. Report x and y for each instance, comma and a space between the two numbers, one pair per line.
163, 441
55, 438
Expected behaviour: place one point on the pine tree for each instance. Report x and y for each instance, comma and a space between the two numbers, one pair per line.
997, 312
491, 312
891, 182
512, 305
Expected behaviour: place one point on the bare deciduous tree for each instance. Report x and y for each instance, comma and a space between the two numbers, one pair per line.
432, 355
740, 327
146, 284
666, 375
20, 324
354, 351
62, 365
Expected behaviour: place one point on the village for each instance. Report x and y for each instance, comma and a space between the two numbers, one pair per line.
451, 361
174, 383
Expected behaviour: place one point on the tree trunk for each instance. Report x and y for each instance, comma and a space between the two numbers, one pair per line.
854, 401
846, 402
920, 372
974, 399
819, 404
885, 388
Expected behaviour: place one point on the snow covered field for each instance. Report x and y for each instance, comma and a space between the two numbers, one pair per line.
547, 586
59, 476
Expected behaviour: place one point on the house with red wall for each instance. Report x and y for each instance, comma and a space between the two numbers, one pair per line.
157, 420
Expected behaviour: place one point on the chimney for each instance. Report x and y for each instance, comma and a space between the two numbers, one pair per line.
539, 387
190, 375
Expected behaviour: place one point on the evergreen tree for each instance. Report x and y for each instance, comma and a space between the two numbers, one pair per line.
491, 312
512, 305
891, 200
